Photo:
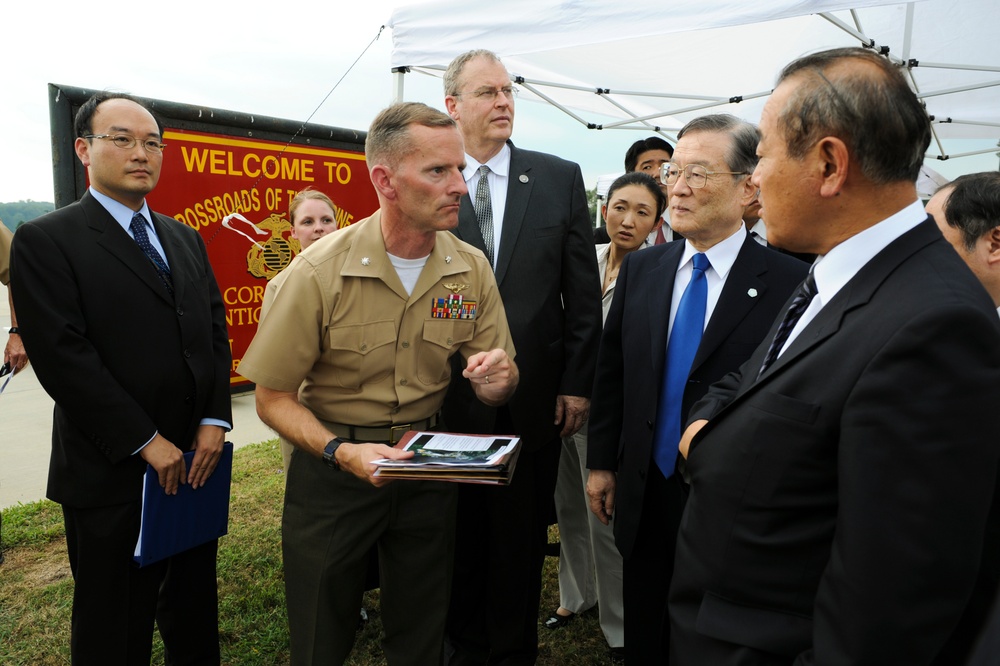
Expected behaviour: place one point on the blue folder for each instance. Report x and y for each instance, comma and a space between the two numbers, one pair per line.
172, 524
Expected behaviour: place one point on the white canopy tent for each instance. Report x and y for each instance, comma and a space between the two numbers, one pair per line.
652, 67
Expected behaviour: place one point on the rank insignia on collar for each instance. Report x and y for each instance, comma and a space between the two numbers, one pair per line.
456, 287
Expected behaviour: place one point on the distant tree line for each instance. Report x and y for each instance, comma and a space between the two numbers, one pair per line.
16, 213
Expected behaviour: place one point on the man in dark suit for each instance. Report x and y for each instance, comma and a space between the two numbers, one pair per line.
709, 181
967, 211
840, 482
530, 218
648, 156
125, 325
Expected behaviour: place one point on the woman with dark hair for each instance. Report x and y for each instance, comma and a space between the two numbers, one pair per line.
590, 567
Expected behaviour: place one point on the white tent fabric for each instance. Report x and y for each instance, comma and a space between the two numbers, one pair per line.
632, 65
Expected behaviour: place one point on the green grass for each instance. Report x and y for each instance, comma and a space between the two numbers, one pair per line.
36, 588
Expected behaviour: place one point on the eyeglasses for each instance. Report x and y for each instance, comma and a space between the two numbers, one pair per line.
490, 94
124, 141
695, 175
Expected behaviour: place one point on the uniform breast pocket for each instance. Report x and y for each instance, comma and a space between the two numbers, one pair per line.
440, 340
361, 353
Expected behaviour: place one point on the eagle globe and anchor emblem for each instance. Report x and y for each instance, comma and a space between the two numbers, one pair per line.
266, 258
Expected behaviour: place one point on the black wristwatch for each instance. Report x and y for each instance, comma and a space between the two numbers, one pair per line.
12, 330
330, 453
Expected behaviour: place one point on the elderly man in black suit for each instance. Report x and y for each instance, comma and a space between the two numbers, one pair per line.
527, 212
646, 383
841, 481
125, 325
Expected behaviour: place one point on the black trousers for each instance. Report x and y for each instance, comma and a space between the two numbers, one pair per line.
115, 603
647, 573
500, 547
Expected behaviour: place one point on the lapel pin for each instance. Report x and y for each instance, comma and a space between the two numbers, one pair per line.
752, 293
447, 259
365, 261
523, 178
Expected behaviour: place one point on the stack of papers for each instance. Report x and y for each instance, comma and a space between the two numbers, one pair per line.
445, 456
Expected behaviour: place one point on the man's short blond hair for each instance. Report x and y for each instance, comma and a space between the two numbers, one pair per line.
388, 139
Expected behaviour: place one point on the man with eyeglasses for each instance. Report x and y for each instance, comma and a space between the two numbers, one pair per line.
125, 326
841, 480
527, 212
683, 316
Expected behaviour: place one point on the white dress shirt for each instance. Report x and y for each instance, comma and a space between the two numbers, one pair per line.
497, 179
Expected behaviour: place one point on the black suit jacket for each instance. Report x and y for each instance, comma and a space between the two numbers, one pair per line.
120, 357
633, 350
838, 503
546, 271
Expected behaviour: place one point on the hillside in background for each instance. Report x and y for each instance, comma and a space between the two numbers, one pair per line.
19, 212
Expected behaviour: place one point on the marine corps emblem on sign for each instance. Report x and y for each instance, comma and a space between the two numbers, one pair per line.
268, 258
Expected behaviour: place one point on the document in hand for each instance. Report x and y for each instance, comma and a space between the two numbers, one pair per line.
7, 372
448, 456
172, 524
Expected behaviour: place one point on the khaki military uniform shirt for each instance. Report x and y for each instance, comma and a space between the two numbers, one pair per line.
5, 238
343, 332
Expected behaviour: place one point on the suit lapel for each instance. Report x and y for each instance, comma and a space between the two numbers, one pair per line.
177, 256
855, 294
120, 245
743, 289
468, 225
519, 185
659, 285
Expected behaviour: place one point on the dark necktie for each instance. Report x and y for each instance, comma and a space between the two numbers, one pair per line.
138, 227
484, 211
803, 297
689, 323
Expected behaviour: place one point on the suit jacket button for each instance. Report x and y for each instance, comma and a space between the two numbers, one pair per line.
649, 424
188, 399
180, 312
187, 354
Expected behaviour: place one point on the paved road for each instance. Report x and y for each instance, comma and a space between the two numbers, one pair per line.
26, 429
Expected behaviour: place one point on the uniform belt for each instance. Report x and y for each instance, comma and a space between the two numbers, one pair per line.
383, 435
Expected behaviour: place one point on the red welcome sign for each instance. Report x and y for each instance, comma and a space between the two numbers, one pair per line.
207, 177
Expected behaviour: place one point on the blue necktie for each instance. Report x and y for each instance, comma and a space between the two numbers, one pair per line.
689, 323
138, 227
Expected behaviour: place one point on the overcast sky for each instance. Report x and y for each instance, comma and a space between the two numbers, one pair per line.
276, 58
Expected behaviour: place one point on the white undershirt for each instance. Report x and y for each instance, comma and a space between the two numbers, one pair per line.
408, 270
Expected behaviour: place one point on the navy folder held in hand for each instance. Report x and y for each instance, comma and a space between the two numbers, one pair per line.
172, 524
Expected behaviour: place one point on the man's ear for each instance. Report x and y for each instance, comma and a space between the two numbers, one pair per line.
451, 106
993, 246
82, 148
381, 176
747, 192
832, 162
